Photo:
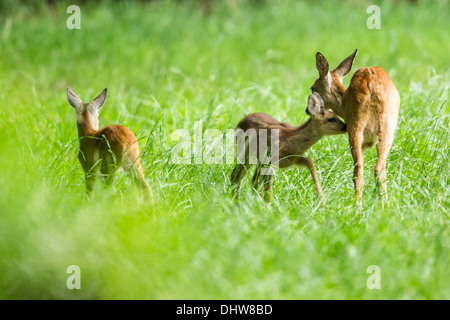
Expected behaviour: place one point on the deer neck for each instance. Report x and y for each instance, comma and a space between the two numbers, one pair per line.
84, 124
337, 107
337, 97
306, 135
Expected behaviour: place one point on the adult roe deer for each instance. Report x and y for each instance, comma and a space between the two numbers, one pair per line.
107, 149
293, 143
369, 107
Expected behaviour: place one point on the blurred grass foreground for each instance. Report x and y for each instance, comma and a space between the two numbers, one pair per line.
168, 64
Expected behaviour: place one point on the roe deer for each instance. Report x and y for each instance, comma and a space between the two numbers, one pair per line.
293, 143
369, 107
107, 149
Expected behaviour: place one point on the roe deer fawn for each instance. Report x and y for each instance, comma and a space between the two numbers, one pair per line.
107, 149
369, 107
293, 143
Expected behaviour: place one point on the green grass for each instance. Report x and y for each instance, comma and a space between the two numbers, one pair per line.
167, 66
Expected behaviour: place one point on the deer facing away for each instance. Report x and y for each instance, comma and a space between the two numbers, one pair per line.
105, 149
293, 143
369, 107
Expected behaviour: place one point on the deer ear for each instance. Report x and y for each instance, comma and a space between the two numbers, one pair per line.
98, 102
73, 99
315, 104
322, 65
344, 68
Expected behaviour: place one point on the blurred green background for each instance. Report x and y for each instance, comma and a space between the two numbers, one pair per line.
167, 64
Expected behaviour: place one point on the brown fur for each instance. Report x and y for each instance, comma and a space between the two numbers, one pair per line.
107, 149
293, 143
370, 109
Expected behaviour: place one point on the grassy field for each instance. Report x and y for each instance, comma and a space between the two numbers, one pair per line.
167, 66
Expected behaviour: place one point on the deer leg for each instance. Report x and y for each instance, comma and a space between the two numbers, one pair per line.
90, 176
383, 148
236, 178
130, 161
256, 180
268, 192
356, 140
380, 178
107, 178
263, 184
139, 179
90, 181
90, 172
107, 170
306, 162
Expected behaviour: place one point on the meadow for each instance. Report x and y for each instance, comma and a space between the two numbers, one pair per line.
167, 65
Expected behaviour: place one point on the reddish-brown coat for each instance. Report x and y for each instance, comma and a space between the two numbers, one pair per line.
106, 149
293, 142
369, 106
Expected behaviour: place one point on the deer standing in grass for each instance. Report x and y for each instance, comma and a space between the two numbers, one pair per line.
293, 143
369, 107
107, 149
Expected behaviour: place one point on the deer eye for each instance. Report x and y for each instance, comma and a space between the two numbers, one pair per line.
331, 120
